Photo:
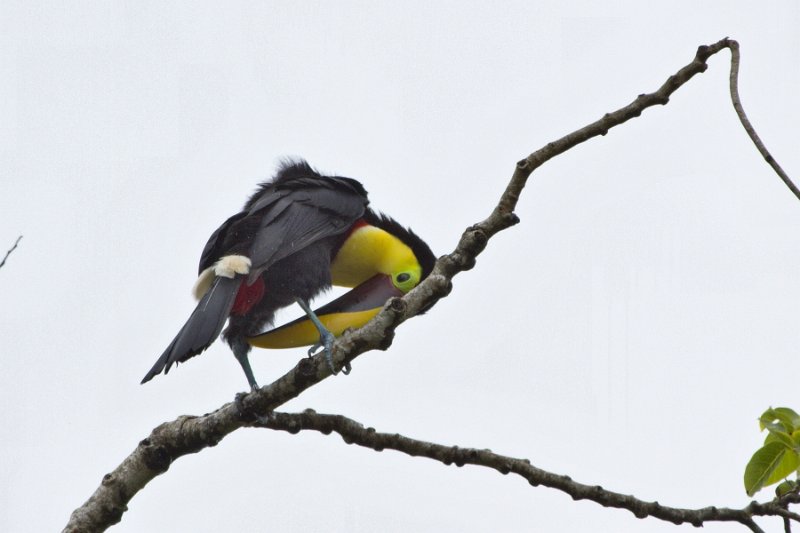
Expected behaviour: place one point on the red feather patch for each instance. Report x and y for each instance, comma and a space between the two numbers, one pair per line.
248, 296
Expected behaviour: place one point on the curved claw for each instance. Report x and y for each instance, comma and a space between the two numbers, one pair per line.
326, 343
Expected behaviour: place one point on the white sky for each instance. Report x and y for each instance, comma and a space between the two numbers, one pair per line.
627, 333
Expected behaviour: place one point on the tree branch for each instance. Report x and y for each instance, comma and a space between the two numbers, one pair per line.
190, 434
737, 105
353, 432
3, 262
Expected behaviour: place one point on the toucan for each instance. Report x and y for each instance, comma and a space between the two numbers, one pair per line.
297, 235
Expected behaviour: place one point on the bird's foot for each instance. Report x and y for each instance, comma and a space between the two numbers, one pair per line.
328, 349
326, 339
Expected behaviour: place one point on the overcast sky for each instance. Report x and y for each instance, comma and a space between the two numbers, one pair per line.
627, 333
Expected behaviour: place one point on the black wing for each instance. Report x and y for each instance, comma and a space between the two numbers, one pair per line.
305, 212
297, 209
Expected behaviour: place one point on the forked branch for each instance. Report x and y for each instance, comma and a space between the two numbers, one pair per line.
190, 434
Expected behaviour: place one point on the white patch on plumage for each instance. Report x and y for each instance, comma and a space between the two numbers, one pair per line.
227, 267
203, 283
230, 265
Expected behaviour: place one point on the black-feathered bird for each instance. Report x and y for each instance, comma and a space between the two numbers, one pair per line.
295, 237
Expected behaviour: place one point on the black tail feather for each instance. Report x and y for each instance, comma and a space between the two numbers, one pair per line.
202, 328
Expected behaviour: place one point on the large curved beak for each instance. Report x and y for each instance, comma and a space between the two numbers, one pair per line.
351, 310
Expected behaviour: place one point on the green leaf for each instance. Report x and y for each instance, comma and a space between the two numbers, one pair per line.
784, 416
788, 465
784, 438
768, 465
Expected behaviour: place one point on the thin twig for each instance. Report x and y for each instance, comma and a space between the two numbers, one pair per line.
737, 105
3, 262
353, 432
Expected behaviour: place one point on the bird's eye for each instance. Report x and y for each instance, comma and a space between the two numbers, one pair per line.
405, 276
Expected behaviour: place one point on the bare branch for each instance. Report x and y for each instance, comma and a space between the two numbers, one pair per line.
753, 526
353, 432
190, 434
3, 262
737, 105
